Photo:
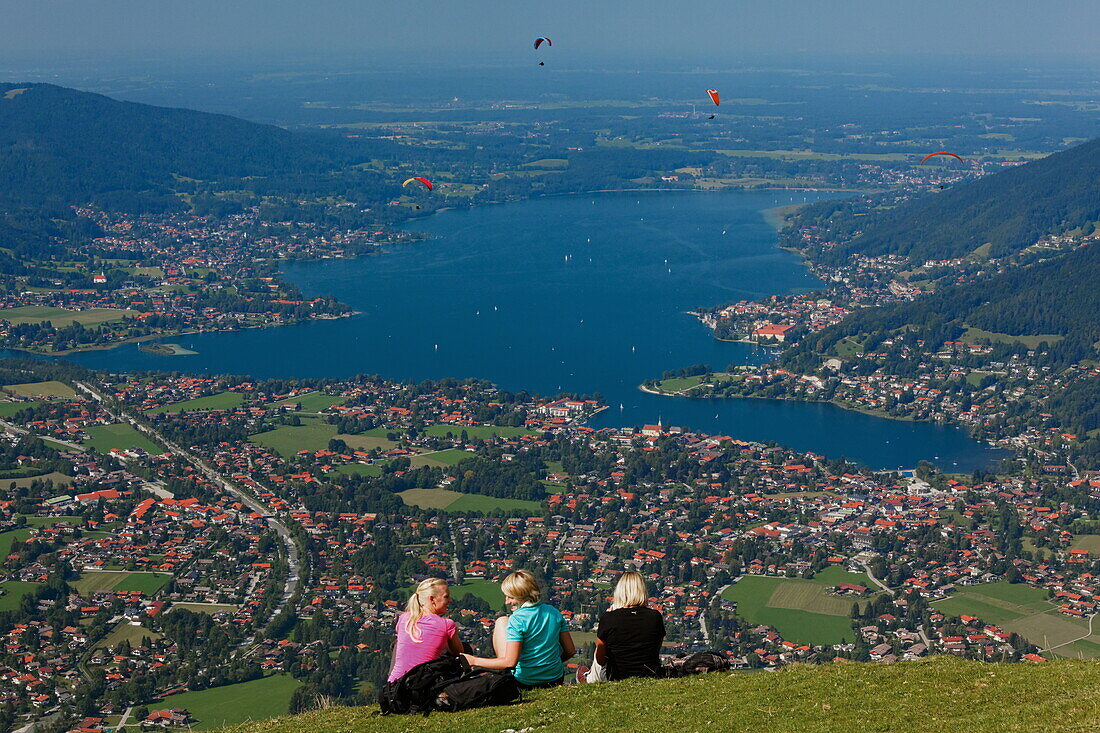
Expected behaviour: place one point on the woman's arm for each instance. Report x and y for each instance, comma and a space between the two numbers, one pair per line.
454, 645
507, 660
601, 652
568, 649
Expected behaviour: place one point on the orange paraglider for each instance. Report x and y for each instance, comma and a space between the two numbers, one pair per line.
425, 181
930, 155
714, 96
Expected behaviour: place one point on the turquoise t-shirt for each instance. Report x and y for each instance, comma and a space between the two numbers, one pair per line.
537, 627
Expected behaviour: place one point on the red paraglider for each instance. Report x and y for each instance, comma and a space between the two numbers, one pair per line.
425, 181
714, 96
941, 153
540, 41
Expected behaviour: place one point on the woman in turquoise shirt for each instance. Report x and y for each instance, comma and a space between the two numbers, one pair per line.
533, 640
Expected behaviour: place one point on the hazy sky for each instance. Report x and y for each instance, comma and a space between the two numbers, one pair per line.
481, 29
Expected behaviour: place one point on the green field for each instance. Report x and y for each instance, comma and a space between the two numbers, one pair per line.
8, 409
441, 458
359, 469
93, 581
454, 501
1090, 542
9, 537
120, 435
487, 590
939, 695
126, 631
973, 335
317, 401
51, 521
800, 610
221, 401
678, 384
59, 479
287, 440
1025, 610
476, 432
61, 317
247, 701
13, 592
209, 608
41, 389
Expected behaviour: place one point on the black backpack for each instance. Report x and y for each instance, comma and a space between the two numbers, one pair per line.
415, 691
476, 690
698, 663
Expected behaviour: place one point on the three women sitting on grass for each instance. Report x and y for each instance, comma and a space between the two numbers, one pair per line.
533, 641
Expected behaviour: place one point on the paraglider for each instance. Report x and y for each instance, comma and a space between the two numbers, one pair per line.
425, 181
930, 155
541, 40
713, 94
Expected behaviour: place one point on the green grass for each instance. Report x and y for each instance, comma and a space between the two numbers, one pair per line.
127, 632
59, 479
13, 592
359, 469
61, 317
51, 521
487, 590
287, 440
975, 378
312, 402
800, 610
476, 432
8, 409
847, 348
8, 538
207, 608
447, 457
973, 335
454, 501
221, 401
939, 695
120, 435
258, 700
679, 383
41, 389
93, 581
1090, 542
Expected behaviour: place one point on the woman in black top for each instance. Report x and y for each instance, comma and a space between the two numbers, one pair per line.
629, 635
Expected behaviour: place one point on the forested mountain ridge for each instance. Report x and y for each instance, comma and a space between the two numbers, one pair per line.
1010, 210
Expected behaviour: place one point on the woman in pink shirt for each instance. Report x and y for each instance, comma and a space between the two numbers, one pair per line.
422, 632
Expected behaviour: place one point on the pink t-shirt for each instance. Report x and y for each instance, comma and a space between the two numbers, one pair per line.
434, 633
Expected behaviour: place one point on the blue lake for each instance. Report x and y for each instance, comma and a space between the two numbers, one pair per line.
580, 293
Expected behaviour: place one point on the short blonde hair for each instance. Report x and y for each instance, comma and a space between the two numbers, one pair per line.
522, 586
630, 591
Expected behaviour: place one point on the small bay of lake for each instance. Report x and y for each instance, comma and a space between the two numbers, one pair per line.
575, 293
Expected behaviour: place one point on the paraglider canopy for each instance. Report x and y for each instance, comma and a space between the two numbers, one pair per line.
541, 40
941, 153
425, 181
714, 96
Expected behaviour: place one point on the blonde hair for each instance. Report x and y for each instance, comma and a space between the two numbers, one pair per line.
522, 586
630, 591
416, 604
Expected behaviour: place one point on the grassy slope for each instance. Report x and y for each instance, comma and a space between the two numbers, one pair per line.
942, 694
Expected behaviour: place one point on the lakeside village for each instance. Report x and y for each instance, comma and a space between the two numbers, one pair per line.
159, 274
989, 383
170, 533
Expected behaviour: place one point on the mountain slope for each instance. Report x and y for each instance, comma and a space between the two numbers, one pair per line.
1010, 210
935, 695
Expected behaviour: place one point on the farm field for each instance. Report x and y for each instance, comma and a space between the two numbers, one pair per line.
59, 479
126, 631
9, 537
976, 334
120, 435
210, 608
800, 610
313, 435
60, 317
454, 501
221, 401
259, 699
13, 592
487, 590
312, 402
440, 458
98, 580
8, 409
360, 469
1026, 611
476, 432
1090, 542
51, 521
40, 389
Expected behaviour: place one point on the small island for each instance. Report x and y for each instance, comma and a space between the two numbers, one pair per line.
166, 349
